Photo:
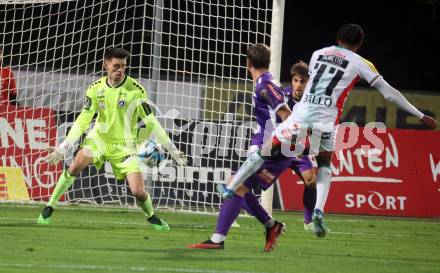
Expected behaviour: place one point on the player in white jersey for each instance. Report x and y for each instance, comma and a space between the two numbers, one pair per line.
333, 72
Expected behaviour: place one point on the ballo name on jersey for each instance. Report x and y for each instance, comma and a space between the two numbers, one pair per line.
318, 100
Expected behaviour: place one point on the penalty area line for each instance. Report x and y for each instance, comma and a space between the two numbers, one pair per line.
101, 222
201, 226
116, 268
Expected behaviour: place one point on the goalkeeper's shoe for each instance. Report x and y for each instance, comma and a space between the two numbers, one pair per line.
208, 245
44, 218
157, 223
272, 235
318, 223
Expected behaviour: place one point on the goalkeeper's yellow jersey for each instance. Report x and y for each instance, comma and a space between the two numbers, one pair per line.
119, 110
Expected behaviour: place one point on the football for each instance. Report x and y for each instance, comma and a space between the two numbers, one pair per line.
151, 153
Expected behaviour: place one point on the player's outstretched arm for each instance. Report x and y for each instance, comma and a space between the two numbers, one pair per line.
284, 112
82, 122
396, 97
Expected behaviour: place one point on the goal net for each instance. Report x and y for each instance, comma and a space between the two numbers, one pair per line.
189, 55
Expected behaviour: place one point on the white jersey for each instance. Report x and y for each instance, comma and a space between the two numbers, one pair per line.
333, 73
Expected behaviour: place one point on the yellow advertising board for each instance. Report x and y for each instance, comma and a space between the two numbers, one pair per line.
363, 106
12, 184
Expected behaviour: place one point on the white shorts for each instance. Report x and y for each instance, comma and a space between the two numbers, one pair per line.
321, 137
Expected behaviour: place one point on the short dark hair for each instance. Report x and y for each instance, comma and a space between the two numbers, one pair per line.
259, 56
350, 34
300, 69
116, 52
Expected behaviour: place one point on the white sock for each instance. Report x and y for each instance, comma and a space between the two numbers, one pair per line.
251, 165
218, 238
270, 223
323, 179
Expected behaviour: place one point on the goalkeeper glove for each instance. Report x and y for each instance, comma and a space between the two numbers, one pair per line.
224, 191
176, 154
56, 154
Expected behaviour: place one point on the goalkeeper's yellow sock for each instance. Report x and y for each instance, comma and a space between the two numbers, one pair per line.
64, 182
147, 206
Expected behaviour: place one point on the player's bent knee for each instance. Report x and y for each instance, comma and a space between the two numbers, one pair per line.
74, 170
81, 161
310, 181
139, 194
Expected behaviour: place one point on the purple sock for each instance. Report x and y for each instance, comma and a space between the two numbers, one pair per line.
253, 207
309, 200
228, 213
248, 208
307, 215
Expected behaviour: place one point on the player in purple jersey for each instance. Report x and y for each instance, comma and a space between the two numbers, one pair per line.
268, 103
302, 166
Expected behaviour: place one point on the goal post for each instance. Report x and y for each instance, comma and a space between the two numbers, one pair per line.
191, 57
276, 47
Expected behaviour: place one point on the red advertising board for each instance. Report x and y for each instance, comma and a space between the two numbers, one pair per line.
403, 179
25, 133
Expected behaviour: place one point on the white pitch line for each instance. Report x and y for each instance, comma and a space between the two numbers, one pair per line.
365, 179
371, 179
196, 226
368, 218
115, 268
102, 222
363, 233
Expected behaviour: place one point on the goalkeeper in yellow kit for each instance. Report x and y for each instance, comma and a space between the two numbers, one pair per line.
119, 101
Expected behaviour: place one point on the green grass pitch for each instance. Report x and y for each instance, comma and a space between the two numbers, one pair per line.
82, 239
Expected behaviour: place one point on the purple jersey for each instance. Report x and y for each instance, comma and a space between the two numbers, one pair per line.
268, 173
301, 164
288, 94
288, 98
267, 99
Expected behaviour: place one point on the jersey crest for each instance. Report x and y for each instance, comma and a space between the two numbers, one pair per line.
121, 103
87, 103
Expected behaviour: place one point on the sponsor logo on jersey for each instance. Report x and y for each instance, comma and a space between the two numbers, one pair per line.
267, 176
146, 108
326, 135
265, 96
100, 93
318, 100
274, 92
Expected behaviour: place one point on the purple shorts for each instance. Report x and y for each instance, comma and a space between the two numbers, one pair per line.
300, 165
268, 173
